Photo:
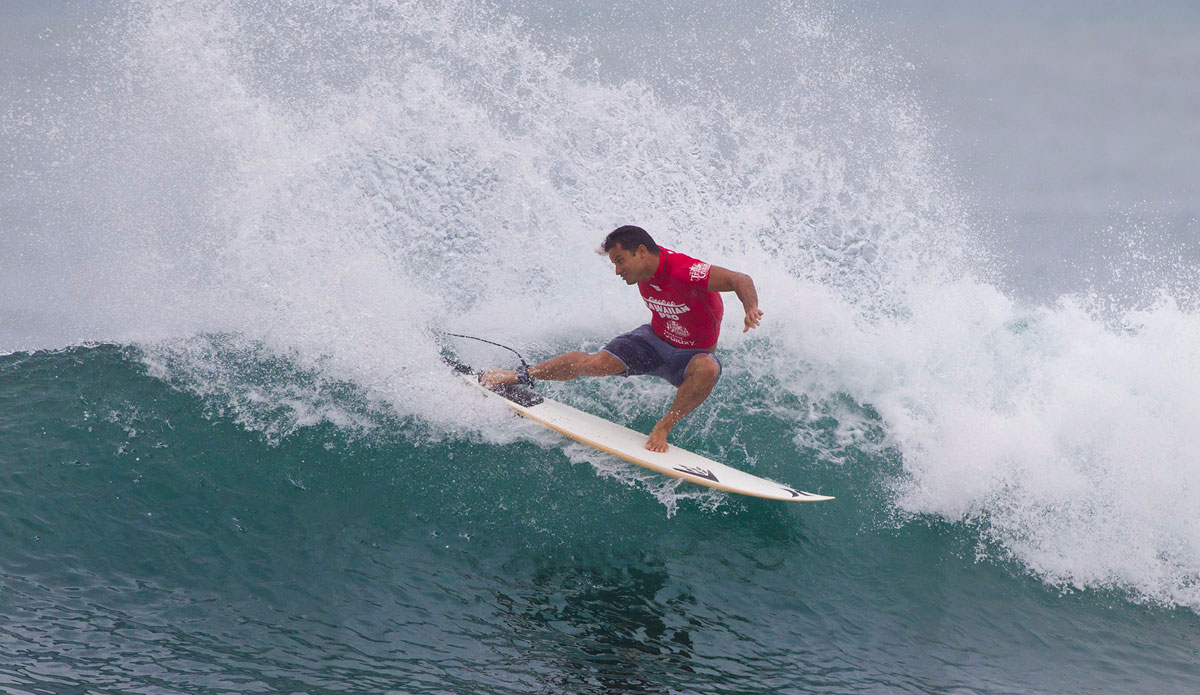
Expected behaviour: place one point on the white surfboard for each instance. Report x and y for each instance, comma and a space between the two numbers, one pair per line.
629, 445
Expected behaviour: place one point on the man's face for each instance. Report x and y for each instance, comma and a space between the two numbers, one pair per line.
631, 265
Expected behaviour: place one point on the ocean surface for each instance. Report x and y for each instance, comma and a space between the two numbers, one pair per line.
234, 234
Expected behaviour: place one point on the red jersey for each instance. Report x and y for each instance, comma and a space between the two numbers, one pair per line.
686, 314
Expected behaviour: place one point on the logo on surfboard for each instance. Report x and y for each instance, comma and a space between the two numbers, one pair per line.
698, 472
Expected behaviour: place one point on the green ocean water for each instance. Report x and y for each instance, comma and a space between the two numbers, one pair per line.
151, 543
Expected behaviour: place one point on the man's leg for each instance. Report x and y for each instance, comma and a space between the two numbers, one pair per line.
699, 379
562, 368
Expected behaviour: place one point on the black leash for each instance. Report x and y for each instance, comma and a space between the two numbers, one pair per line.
522, 371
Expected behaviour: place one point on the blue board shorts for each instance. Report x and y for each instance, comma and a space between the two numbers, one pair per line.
643, 352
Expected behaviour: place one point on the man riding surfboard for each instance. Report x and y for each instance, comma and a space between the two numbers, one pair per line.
683, 294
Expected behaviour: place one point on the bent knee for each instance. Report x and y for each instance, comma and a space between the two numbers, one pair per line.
704, 367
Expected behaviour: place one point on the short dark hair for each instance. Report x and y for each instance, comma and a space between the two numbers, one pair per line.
630, 238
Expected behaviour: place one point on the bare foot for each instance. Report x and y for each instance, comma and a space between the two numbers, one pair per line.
658, 439
498, 377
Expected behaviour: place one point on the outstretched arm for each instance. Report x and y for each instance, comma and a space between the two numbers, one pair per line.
725, 280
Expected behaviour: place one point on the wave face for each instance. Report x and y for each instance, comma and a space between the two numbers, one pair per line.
238, 229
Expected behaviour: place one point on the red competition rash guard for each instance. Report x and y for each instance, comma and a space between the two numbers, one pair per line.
686, 314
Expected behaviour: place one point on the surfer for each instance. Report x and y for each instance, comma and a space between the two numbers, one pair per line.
677, 345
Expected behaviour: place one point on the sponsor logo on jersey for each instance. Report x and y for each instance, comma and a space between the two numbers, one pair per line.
666, 309
699, 271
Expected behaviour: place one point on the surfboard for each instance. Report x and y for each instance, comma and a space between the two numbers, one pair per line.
629, 445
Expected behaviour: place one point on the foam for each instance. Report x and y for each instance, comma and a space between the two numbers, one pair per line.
1063, 437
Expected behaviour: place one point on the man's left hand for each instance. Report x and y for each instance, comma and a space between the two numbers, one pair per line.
753, 316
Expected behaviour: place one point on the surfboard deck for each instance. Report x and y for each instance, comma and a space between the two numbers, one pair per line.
629, 445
